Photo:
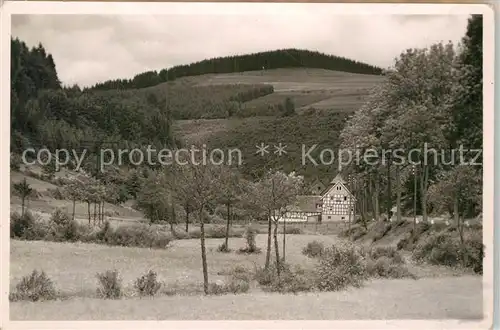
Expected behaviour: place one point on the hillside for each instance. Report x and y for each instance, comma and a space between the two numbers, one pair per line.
294, 105
276, 59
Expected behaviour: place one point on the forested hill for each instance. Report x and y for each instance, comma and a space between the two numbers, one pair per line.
285, 58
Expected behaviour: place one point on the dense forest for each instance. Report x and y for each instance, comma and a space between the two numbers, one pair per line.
285, 58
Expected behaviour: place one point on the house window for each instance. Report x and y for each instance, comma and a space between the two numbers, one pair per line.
345, 198
329, 217
343, 218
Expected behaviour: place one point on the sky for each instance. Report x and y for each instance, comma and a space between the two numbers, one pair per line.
94, 48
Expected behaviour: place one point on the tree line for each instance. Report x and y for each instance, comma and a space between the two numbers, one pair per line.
277, 59
434, 96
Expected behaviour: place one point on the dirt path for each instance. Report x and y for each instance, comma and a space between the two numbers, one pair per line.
429, 298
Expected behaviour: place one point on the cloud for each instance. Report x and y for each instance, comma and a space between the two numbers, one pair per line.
92, 48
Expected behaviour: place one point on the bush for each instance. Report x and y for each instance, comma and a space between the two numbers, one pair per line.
474, 252
62, 228
215, 232
182, 235
291, 280
21, 226
313, 249
223, 248
386, 251
440, 249
34, 287
147, 284
264, 276
249, 234
293, 231
380, 230
446, 249
339, 267
110, 285
386, 267
234, 286
15, 162
137, 236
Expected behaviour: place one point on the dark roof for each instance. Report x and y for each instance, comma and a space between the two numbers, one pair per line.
306, 203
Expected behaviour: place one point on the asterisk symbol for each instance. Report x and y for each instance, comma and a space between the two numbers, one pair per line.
262, 149
280, 149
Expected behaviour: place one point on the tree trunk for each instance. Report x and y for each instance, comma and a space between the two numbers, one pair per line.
276, 248
203, 253
460, 228
23, 200
102, 212
414, 202
88, 209
423, 191
455, 212
187, 219
389, 192
226, 242
398, 194
172, 229
74, 206
268, 252
376, 196
284, 239
95, 211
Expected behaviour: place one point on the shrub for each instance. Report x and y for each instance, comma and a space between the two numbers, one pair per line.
313, 249
110, 285
234, 286
249, 234
15, 162
291, 280
440, 249
446, 249
223, 248
339, 267
386, 267
182, 235
380, 230
137, 236
215, 232
34, 287
62, 228
59, 217
264, 276
21, 225
105, 232
386, 251
147, 284
293, 231
474, 252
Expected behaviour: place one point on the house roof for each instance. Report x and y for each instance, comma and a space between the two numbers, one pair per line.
338, 178
306, 203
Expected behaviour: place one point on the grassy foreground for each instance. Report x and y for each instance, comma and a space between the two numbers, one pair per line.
430, 298
73, 266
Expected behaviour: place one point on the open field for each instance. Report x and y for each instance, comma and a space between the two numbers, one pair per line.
295, 79
73, 268
443, 298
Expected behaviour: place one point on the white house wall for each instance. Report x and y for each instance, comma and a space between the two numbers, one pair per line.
336, 204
